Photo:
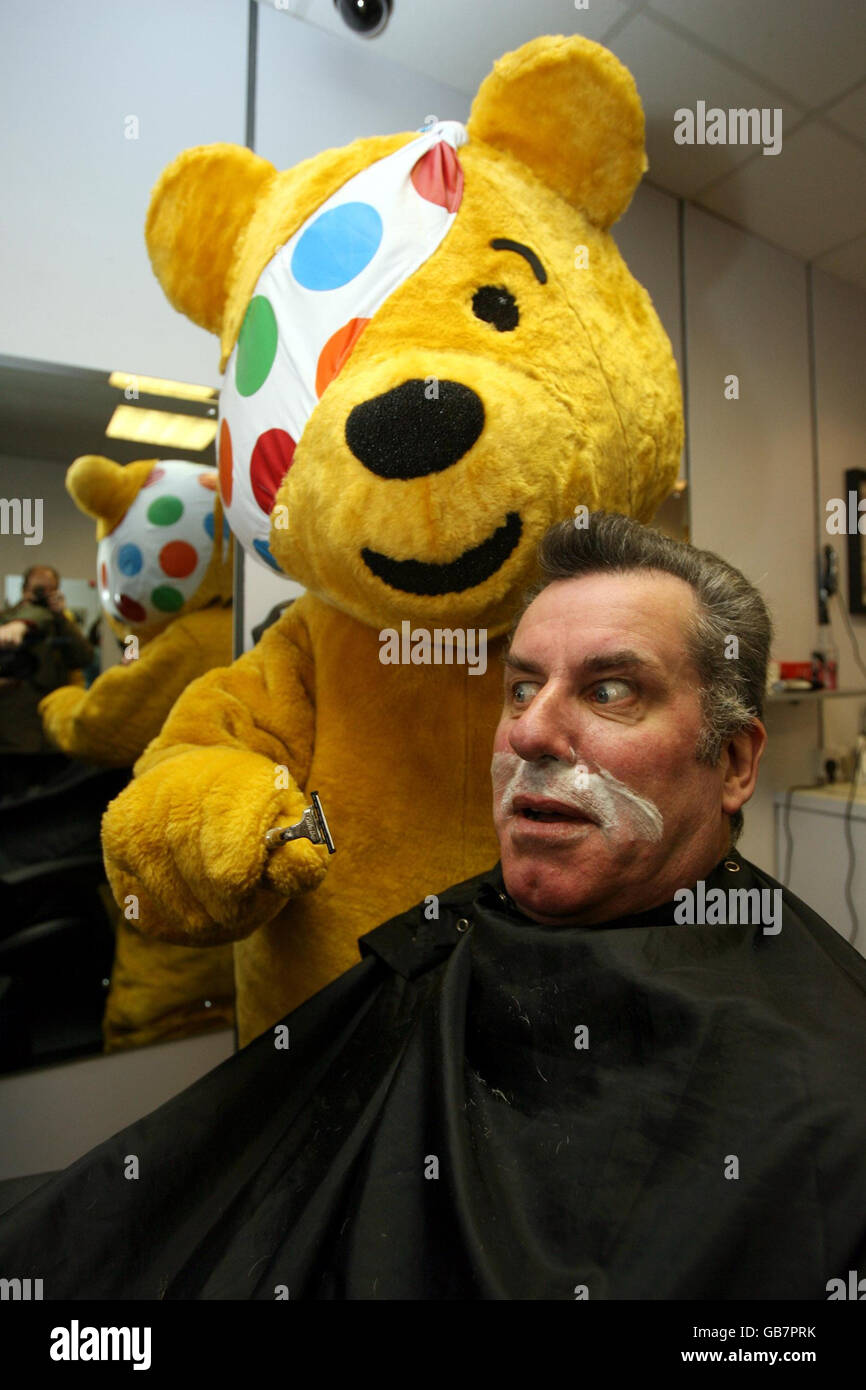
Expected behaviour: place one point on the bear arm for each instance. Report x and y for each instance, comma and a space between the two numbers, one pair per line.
113, 722
261, 703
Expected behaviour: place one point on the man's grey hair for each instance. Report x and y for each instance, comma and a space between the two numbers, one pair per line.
731, 690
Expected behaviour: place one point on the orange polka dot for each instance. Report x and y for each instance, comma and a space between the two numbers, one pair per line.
178, 559
336, 350
207, 480
225, 462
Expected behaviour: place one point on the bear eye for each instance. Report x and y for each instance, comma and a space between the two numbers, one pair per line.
497, 305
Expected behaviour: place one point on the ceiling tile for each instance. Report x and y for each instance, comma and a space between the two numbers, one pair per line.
811, 51
850, 113
806, 199
848, 262
671, 73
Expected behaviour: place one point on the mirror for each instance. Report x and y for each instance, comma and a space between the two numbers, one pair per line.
76, 978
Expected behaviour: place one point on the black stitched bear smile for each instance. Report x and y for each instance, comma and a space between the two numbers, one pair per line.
453, 577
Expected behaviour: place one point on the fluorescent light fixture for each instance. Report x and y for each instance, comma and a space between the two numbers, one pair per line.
171, 432
156, 386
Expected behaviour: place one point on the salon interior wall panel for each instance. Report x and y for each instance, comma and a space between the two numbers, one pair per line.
840, 372
68, 533
750, 458
75, 282
331, 100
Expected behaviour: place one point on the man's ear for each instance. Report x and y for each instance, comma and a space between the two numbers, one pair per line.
743, 753
197, 210
569, 110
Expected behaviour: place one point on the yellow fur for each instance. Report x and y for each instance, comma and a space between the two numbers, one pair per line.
581, 406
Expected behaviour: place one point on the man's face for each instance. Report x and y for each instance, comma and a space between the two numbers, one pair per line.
598, 801
44, 579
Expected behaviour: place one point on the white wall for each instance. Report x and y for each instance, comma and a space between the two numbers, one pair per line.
75, 281
750, 461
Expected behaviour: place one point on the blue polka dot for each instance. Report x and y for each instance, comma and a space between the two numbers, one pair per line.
262, 548
208, 526
337, 246
129, 559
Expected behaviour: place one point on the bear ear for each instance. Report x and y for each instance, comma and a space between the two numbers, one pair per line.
569, 110
104, 489
197, 209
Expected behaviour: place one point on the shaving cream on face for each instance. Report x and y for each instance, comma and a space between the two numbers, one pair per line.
610, 803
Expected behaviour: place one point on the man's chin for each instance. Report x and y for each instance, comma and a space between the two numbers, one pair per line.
545, 882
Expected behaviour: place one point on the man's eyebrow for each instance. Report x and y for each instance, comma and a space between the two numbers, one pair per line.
503, 243
625, 659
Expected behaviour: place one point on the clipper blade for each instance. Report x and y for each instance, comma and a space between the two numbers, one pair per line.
321, 823
312, 826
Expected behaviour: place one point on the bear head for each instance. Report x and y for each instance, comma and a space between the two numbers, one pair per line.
433, 347
164, 548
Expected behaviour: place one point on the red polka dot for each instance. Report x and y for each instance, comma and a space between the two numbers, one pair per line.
153, 476
131, 609
336, 350
178, 559
438, 177
271, 461
225, 462
208, 480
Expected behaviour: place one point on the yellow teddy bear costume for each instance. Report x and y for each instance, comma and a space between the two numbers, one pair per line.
164, 565
486, 371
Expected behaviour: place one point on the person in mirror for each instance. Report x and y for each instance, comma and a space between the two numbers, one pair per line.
40, 646
624, 1063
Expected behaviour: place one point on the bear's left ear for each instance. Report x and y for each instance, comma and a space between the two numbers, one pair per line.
197, 210
569, 110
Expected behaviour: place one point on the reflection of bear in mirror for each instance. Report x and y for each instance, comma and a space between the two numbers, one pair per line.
164, 568
423, 374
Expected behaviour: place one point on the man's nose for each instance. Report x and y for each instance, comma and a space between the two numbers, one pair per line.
419, 427
546, 729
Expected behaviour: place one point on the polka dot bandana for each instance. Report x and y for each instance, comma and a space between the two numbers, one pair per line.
156, 557
310, 306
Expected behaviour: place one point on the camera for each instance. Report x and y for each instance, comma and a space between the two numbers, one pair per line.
365, 17
40, 596
19, 663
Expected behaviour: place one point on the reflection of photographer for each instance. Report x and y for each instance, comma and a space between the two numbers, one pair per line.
39, 646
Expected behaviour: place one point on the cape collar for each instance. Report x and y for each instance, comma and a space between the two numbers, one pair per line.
731, 871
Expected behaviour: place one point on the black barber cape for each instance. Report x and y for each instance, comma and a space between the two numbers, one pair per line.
432, 1130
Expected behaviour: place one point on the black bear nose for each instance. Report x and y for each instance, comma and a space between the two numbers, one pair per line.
419, 427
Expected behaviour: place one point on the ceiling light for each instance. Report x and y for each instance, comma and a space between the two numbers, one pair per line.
156, 386
171, 432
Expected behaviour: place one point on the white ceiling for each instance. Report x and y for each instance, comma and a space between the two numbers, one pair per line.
807, 57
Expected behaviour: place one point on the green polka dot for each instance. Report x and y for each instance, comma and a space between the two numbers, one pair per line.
166, 598
165, 511
257, 346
